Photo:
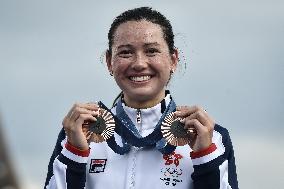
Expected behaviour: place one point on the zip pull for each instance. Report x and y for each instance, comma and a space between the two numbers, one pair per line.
138, 116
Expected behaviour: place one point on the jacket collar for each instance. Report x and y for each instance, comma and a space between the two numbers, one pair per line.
149, 116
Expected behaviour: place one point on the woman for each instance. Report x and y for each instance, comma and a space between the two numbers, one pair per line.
141, 58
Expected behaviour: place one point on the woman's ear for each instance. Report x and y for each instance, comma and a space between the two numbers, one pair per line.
108, 61
175, 59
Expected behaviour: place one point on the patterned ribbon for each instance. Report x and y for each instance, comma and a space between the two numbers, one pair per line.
131, 136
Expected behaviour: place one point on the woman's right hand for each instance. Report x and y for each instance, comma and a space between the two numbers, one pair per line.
73, 121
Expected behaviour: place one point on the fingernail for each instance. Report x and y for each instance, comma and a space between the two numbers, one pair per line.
95, 112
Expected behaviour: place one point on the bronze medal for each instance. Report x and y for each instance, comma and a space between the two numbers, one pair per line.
102, 129
174, 132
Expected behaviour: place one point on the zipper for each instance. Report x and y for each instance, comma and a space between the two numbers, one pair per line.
139, 120
133, 169
134, 152
138, 117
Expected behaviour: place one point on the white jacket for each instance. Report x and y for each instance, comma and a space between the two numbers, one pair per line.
144, 168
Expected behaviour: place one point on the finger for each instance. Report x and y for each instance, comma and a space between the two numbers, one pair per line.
185, 111
180, 107
91, 106
71, 110
201, 116
78, 111
194, 123
84, 117
190, 128
93, 103
88, 106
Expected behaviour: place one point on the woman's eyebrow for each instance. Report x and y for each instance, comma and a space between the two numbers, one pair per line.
124, 46
151, 44
145, 45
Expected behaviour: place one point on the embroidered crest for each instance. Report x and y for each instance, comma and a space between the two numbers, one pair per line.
171, 173
172, 158
97, 165
171, 176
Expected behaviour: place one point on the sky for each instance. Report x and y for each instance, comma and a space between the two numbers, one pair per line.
231, 63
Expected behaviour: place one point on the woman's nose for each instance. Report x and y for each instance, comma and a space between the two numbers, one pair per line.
140, 62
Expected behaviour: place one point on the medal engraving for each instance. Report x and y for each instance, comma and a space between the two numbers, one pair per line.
178, 130
102, 129
99, 126
174, 132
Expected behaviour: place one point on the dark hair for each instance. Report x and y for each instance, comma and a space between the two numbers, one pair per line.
143, 13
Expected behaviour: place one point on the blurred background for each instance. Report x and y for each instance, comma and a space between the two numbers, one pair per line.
232, 64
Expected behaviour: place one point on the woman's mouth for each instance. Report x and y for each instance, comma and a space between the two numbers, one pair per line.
140, 78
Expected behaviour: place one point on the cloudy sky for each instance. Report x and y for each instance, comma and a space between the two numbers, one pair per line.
232, 64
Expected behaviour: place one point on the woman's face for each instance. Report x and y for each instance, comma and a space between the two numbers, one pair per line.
141, 62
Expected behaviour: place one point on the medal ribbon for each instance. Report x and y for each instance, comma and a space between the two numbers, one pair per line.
131, 136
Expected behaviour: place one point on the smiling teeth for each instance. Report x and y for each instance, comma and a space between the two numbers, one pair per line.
140, 78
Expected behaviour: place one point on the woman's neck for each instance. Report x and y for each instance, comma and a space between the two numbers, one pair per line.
144, 103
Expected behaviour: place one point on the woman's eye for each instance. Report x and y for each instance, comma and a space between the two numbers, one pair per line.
125, 53
152, 51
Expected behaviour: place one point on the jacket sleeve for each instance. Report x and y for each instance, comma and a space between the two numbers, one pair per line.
66, 169
215, 167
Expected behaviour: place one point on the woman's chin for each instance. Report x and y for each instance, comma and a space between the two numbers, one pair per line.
143, 96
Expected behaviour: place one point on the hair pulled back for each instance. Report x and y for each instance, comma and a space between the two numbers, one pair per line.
143, 13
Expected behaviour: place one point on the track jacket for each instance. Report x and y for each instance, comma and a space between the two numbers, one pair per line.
101, 168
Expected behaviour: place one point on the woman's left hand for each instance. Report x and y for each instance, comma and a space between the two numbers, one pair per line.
197, 118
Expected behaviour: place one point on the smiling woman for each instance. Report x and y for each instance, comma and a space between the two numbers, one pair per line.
141, 62
144, 141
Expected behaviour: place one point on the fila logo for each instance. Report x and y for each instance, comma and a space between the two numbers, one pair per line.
97, 165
